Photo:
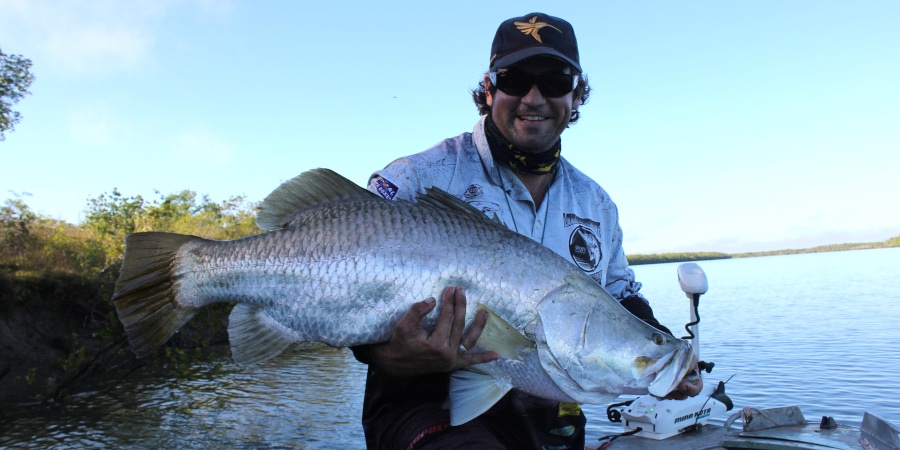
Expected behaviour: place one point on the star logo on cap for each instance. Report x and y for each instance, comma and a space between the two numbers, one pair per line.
532, 27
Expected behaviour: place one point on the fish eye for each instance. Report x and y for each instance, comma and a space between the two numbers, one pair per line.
659, 339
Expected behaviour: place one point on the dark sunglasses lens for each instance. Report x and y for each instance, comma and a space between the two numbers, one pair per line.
555, 85
513, 83
518, 84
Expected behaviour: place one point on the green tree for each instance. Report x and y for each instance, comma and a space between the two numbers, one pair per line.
112, 217
16, 221
15, 78
183, 213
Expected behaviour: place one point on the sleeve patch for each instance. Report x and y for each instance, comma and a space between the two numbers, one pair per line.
384, 187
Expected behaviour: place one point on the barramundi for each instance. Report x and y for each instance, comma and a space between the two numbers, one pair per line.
339, 265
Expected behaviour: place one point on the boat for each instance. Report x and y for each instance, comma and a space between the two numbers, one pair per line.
778, 428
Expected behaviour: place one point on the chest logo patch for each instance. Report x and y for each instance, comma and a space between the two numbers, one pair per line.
473, 191
585, 249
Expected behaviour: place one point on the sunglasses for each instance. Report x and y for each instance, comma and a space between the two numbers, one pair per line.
519, 83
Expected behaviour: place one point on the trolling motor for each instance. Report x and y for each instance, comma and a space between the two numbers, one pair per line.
693, 282
656, 418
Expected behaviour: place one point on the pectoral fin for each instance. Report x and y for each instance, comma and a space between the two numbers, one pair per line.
471, 394
501, 337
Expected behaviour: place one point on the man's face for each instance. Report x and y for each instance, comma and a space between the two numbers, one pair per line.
532, 122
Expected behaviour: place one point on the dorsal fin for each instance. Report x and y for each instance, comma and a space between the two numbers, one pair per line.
441, 199
307, 189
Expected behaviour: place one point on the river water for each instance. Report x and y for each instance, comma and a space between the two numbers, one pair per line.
821, 331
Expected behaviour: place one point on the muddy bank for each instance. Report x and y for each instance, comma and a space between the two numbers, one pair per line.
59, 335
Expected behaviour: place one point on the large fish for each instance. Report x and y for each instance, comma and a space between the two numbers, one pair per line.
340, 265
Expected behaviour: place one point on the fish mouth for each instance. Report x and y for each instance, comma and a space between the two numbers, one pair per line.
668, 371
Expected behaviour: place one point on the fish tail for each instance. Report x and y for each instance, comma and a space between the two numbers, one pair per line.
145, 297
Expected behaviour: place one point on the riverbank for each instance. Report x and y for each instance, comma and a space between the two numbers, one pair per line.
54, 330
59, 333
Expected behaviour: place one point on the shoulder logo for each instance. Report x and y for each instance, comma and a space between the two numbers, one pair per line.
533, 27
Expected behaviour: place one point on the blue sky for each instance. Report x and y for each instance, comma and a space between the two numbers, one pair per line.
714, 125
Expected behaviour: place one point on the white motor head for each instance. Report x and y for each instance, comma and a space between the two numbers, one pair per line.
692, 279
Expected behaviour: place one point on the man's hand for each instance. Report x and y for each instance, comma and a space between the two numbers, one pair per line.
690, 385
412, 350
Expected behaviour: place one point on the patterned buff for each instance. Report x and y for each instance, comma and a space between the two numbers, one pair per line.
509, 155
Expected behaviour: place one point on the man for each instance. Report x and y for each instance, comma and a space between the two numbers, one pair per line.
509, 166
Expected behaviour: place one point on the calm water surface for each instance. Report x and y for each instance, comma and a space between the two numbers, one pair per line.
821, 331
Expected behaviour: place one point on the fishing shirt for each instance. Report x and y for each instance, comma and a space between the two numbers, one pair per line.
576, 219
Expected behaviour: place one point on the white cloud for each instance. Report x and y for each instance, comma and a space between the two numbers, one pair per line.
92, 36
99, 49
200, 146
95, 126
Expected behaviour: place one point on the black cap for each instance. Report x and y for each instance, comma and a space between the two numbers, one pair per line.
534, 34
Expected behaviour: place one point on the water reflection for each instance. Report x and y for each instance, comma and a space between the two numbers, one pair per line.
309, 398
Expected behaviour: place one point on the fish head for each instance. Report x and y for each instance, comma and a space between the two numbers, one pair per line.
592, 347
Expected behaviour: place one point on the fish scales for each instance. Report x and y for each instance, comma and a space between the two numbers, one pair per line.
405, 254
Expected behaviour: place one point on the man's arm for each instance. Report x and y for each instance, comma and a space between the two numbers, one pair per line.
641, 309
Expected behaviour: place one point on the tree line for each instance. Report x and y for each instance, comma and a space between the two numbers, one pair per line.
658, 258
35, 243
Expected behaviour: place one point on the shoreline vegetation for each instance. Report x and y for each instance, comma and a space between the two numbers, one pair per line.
659, 258
59, 333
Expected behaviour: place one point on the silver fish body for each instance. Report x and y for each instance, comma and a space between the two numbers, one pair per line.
340, 265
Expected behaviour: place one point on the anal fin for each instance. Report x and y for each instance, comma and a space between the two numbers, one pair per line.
472, 393
254, 336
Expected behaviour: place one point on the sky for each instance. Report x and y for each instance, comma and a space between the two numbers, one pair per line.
714, 125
